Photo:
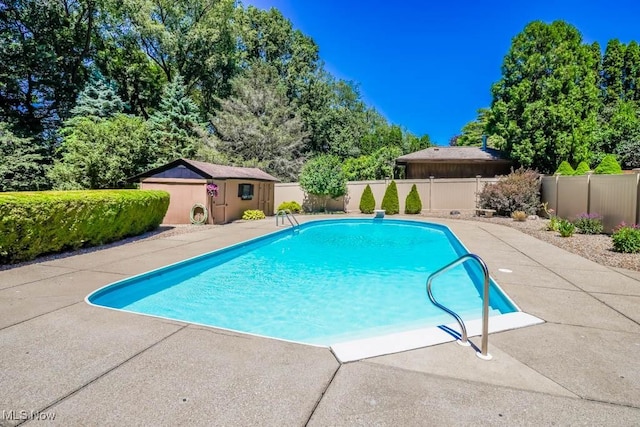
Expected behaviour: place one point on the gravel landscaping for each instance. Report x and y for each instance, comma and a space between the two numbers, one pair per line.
597, 247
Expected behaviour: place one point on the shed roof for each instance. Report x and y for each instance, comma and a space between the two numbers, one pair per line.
452, 153
210, 171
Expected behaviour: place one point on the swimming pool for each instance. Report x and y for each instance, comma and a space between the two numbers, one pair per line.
329, 282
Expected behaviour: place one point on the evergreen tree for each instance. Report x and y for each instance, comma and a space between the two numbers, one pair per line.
258, 125
631, 72
367, 201
390, 201
98, 99
613, 72
545, 105
608, 166
413, 204
582, 168
21, 163
564, 169
175, 127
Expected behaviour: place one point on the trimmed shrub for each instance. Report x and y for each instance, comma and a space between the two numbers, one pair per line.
36, 223
565, 169
608, 166
519, 216
413, 204
566, 228
390, 201
626, 239
253, 214
582, 168
292, 206
518, 191
589, 223
367, 201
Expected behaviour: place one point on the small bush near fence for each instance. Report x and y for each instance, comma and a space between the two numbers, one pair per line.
565, 169
413, 204
566, 228
626, 239
582, 168
589, 223
390, 201
292, 206
33, 224
518, 191
367, 201
608, 166
253, 214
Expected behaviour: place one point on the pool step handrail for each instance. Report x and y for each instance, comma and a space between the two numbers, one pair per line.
290, 216
464, 340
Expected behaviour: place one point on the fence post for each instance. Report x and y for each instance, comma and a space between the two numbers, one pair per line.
477, 188
431, 193
557, 207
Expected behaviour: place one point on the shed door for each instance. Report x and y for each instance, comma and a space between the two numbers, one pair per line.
220, 207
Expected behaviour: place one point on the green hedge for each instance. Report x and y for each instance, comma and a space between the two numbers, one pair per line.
35, 223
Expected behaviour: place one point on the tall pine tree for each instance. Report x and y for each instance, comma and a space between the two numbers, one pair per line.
175, 127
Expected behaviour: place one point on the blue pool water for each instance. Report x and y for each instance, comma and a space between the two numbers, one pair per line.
331, 281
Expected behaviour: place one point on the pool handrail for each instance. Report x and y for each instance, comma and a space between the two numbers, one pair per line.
289, 215
483, 354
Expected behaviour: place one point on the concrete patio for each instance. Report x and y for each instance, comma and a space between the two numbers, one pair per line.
71, 364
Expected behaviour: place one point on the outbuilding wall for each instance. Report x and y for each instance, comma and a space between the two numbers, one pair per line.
227, 206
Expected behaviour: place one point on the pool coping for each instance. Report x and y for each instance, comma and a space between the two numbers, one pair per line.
398, 342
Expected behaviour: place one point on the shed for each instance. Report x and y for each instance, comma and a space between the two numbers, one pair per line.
454, 162
222, 192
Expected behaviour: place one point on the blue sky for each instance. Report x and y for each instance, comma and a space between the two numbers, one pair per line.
429, 65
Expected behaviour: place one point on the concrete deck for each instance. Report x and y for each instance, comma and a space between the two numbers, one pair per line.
86, 365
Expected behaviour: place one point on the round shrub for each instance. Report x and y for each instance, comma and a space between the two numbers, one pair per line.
390, 201
564, 169
413, 204
292, 206
518, 191
626, 239
253, 214
608, 166
582, 168
367, 201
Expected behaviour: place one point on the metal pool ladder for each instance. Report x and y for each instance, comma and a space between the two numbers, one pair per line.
483, 354
286, 213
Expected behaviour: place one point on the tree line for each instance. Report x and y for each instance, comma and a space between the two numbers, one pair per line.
95, 91
561, 99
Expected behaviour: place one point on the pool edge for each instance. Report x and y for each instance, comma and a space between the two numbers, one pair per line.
352, 351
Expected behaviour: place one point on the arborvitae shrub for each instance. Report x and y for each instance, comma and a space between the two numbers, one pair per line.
518, 191
565, 169
413, 204
390, 201
582, 168
367, 201
608, 166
